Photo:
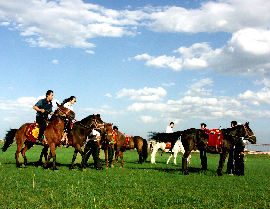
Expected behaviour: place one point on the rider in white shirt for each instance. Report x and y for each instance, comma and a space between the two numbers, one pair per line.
170, 128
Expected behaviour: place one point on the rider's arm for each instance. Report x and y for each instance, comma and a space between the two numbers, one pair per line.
37, 109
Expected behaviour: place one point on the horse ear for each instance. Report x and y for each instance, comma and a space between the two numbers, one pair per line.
57, 104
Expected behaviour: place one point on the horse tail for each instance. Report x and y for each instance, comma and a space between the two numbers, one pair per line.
146, 149
9, 138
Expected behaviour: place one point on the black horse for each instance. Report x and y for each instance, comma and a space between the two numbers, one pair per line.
78, 135
197, 139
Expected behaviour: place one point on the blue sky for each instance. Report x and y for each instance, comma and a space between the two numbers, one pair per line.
140, 64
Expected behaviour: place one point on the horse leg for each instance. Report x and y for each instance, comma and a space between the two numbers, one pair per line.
184, 162
19, 148
23, 154
106, 157
47, 161
44, 153
122, 159
223, 156
169, 158
74, 158
116, 157
153, 155
175, 156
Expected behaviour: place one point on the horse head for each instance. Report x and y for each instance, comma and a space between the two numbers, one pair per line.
64, 112
98, 123
109, 131
249, 135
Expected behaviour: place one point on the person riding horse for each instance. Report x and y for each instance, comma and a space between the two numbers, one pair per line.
43, 108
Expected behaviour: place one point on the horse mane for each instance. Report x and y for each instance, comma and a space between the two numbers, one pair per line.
85, 120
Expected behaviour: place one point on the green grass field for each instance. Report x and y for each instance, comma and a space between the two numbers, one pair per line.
134, 186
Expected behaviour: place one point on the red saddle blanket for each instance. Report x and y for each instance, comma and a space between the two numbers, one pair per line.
215, 138
127, 139
168, 145
32, 132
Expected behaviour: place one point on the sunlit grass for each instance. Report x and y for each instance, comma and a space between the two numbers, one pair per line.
134, 186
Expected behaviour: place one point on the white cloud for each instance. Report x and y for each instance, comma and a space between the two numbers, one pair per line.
55, 61
4, 24
197, 90
148, 119
265, 82
227, 16
143, 95
257, 98
108, 95
168, 84
248, 52
89, 52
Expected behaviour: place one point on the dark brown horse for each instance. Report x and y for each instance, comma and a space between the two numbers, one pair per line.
54, 130
21, 134
193, 139
78, 135
140, 144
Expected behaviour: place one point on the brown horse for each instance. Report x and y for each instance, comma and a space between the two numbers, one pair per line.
22, 138
78, 135
140, 144
107, 142
54, 130
120, 144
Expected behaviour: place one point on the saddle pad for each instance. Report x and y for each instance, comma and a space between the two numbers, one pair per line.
127, 140
215, 138
32, 133
168, 145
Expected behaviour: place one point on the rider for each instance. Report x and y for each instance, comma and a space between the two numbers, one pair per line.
169, 128
67, 103
43, 108
203, 152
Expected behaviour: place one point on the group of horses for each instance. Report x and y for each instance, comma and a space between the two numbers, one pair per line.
191, 139
76, 138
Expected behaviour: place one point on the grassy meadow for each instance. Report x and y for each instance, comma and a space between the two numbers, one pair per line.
134, 186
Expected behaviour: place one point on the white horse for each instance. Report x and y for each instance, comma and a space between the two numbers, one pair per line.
178, 147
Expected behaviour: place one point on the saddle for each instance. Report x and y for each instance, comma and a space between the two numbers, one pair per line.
215, 138
32, 132
168, 145
127, 140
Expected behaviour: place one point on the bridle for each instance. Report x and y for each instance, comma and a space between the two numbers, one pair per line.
250, 135
65, 114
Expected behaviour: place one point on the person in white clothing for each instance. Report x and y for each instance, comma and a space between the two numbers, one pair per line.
67, 103
170, 128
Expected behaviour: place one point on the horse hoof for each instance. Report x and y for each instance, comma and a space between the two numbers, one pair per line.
186, 173
112, 166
